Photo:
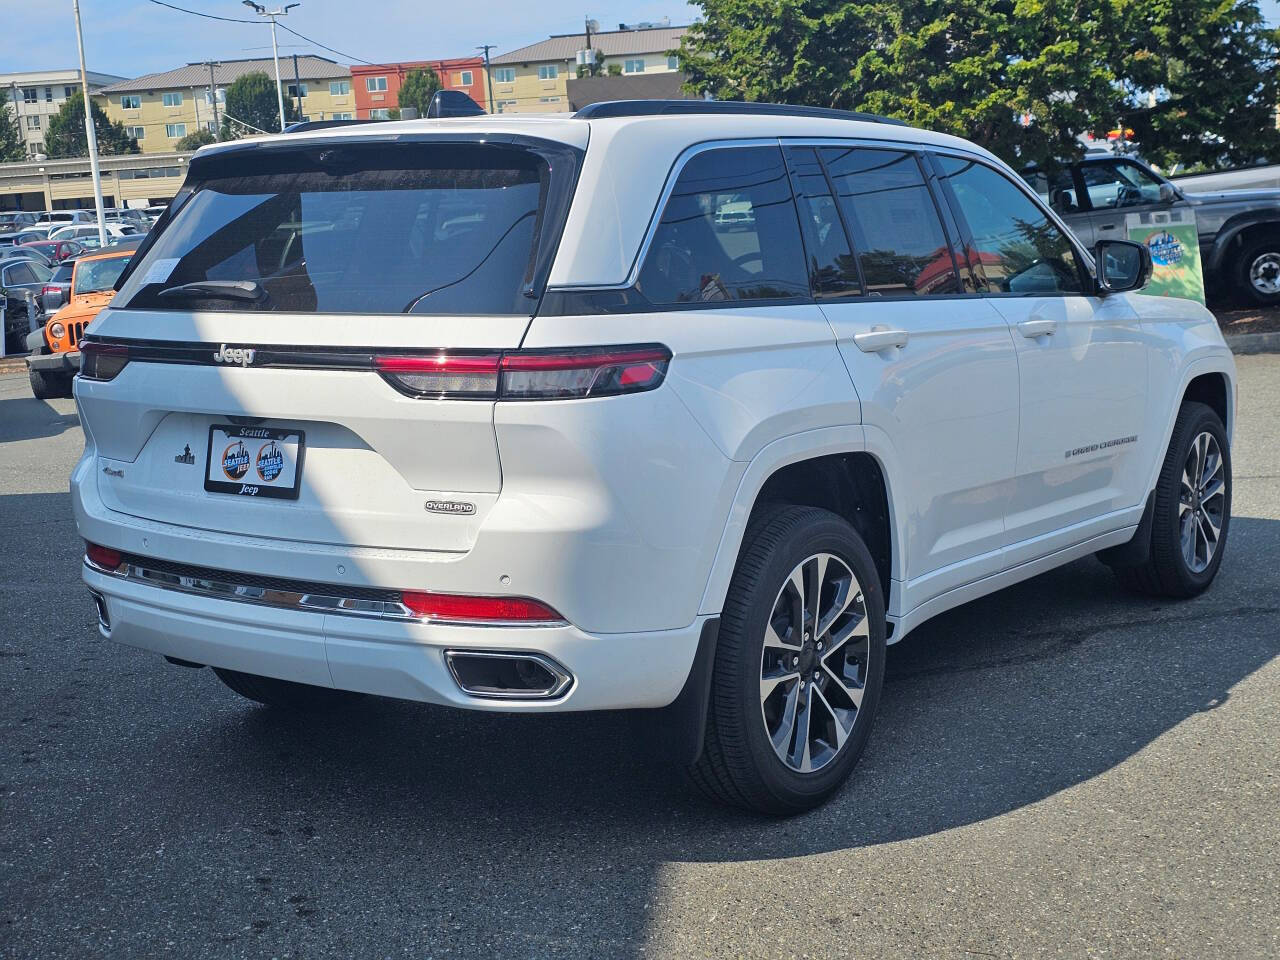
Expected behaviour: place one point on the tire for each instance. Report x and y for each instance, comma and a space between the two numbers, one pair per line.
1170, 571
1258, 273
285, 694
49, 386
740, 765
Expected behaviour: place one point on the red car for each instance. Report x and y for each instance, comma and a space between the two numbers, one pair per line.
57, 250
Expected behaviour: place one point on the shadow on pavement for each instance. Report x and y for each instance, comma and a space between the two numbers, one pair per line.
26, 418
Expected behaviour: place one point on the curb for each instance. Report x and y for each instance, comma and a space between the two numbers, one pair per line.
1254, 342
13, 365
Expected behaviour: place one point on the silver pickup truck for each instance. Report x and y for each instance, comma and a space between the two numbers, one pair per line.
1239, 230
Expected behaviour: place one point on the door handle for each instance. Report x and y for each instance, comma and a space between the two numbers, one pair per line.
1107, 226
1038, 328
879, 338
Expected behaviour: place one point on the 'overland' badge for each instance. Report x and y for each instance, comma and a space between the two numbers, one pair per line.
457, 508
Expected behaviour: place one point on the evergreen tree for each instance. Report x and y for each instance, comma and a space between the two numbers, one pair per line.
12, 147
417, 90
65, 136
252, 106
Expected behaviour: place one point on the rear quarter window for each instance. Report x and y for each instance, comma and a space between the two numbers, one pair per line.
422, 228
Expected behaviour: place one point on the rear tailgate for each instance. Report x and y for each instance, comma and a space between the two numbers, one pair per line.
252, 326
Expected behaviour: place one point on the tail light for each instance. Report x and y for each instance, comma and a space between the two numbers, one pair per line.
102, 361
529, 374
103, 557
46, 290
465, 609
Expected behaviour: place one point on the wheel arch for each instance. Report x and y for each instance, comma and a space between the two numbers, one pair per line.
1209, 380
1238, 232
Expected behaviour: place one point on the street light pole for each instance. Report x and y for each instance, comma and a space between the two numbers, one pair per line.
488, 73
275, 49
89, 132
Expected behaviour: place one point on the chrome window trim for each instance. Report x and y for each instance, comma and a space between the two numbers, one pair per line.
321, 603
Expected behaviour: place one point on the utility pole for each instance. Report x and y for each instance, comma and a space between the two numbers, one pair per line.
89, 131
273, 15
297, 84
213, 95
488, 74
591, 67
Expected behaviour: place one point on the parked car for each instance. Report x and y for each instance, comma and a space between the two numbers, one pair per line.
17, 278
54, 219
24, 253
13, 221
31, 235
55, 348
1239, 230
55, 251
83, 232
57, 289
589, 449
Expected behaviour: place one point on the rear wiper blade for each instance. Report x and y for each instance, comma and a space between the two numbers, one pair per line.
216, 290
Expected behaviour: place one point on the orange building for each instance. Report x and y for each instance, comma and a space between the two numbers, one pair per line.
376, 88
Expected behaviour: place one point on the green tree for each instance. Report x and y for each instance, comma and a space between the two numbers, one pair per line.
595, 69
417, 90
1204, 82
252, 103
12, 147
196, 140
65, 136
1022, 77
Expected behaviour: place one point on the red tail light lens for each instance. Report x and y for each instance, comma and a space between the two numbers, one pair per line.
45, 291
464, 609
103, 557
529, 374
102, 361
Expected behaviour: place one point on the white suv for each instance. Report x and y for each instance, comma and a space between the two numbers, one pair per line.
686, 405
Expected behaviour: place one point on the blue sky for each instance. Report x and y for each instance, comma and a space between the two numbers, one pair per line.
133, 37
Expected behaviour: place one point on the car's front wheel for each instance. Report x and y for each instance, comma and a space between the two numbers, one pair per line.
798, 667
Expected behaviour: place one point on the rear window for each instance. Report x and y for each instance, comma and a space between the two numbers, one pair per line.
95, 276
62, 272
418, 228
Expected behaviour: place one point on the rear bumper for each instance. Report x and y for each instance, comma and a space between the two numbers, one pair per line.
391, 658
67, 362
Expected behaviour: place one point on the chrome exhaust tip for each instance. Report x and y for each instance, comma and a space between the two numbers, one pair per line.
104, 618
507, 675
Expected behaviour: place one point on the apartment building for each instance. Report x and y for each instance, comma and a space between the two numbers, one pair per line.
159, 109
377, 87
34, 96
534, 79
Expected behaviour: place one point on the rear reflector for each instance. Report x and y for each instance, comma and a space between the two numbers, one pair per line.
464, 609
103, 557
102, 361
529, 374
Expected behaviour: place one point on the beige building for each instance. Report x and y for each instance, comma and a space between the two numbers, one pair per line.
160, 109
35, 96
534, 79
128, 180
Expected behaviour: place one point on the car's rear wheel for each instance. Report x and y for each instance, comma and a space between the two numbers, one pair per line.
49, 386
799, 664
1259, 276
1192, 509
285, 693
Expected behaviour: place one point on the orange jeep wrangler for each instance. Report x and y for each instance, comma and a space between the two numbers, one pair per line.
55, 349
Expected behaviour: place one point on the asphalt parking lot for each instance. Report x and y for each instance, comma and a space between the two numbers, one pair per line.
1058, 770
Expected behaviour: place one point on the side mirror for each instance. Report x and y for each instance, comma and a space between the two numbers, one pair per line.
1168, 193
1122, 265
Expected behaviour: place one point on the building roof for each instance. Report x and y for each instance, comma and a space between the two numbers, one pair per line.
25, 77
636, 86
228, 71
611, 43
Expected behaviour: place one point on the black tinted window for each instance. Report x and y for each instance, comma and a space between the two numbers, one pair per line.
896, 230
832, 269
728, 232
1016, 248
443, 229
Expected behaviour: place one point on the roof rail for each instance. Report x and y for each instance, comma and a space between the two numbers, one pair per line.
306, 126
653, 108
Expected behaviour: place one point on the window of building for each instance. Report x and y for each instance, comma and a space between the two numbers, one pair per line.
212, 125
48, 94
67, 92
1015, 247
344, 116
505, 105
221, 95
895, 224
38, 147
138, 133
175, 131
548, 71
30, 95
131, 101
375, 84
673, 63
294, 88
380, 113
504, 75
833, 272
633, 66
173, 98
463, 79
33, 121
339, 88
548, 99
728, 232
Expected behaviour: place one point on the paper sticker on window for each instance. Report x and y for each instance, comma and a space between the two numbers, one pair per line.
160, 270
